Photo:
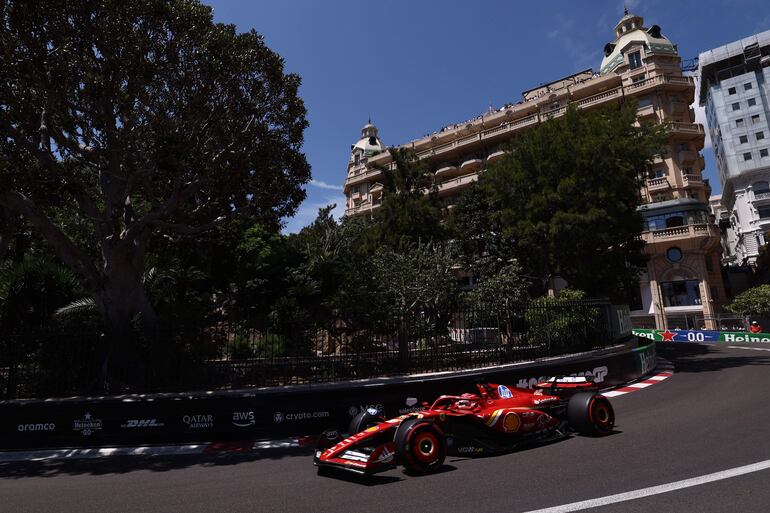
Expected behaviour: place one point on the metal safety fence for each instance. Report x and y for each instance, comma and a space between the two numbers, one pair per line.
224, 354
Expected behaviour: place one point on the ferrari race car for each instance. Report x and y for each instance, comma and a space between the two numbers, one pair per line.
497, 419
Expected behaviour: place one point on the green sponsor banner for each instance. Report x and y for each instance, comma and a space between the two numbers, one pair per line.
701, 336
644, 358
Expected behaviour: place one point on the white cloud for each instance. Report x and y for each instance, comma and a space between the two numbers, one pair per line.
323, 185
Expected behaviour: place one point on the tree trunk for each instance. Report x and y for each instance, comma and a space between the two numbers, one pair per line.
127, 313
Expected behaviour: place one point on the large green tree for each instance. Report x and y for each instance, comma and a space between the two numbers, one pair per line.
563, 200
754, 301
411, 210
143, 121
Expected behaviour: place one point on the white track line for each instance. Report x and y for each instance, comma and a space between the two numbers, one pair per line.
102, 452
749, 348
656, 490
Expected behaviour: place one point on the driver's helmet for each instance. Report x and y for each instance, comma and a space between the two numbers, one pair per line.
467, 401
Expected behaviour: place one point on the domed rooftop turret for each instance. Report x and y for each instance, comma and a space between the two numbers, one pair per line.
630, 30
369, 144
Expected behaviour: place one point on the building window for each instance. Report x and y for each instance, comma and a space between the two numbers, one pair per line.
680, 293
746, 156
731, 91
744, 139
760, 187
760, 136
752, 102
764, 212
644, 102
747, 87
755, 119
736, 106
638, 78
634, 60
763, 153
739, 122
674, 254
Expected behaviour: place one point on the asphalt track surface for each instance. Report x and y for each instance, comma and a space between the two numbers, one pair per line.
712, 415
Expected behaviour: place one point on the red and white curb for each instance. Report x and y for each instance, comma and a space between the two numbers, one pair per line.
663, 370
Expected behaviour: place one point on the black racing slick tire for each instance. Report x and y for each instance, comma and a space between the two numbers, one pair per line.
363, 420
420, 446
590, 414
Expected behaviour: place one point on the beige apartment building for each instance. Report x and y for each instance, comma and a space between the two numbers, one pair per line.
682, 285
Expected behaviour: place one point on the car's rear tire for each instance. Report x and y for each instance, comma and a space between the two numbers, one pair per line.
590, 414
420, 446
363, 420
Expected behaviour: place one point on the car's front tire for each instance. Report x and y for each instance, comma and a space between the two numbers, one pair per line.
420, 446
590, 414
363, 420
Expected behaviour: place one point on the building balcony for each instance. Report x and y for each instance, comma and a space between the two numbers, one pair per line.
645, 112
600, 98
688, 130
451, 187
553, 113
690, 180
494, 157
468, 139
447, 172
670, 82
471, 165
688, 156
363, 208
362, 177
657, 184
762, 197
690, 231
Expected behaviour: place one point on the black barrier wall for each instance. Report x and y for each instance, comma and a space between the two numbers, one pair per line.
275, 413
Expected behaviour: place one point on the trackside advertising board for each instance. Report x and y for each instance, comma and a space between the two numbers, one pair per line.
251, 414
701, 336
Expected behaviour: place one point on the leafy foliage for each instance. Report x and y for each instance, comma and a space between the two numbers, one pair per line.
411, 211
557, 321
129, 124
564, 199
754, 301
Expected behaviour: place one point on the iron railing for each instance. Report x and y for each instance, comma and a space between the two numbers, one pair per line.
232, 354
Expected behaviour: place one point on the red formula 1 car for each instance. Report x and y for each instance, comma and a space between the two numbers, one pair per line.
497, 419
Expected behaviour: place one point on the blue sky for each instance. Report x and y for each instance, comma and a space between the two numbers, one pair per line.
414, 66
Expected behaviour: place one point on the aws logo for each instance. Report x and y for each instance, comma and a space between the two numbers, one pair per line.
243, 418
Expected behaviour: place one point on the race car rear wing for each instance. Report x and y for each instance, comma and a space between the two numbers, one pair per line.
563, 385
